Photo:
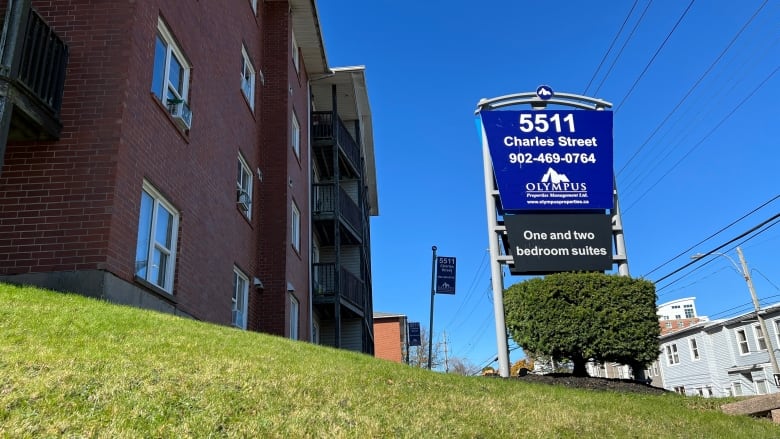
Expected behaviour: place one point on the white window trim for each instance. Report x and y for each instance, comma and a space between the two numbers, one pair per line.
740, 342
295, 310
248, 85
694, 346
243, 297
296, 135
245, 168
185, 64
160, 201
296, 59
672, 355
295, 227
756, 330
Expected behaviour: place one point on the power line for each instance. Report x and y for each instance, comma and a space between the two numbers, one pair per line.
695, 85
641, 75
611, 45
685, 252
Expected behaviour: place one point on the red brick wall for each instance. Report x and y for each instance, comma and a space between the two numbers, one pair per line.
73, 204
387, 339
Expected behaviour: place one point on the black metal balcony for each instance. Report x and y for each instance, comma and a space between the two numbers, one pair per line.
325, 210
33, 75
328, 132
324, 286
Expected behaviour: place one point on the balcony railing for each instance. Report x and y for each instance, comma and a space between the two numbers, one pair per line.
325, 202
324, 128
43, 63
350, 285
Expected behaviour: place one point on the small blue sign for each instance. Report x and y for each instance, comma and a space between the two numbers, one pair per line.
445, 275
545, 92
551, 159
414, 334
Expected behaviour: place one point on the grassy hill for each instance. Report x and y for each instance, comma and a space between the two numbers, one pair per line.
77, 367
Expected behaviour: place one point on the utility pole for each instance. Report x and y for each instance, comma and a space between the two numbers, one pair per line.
446, 359
757, 305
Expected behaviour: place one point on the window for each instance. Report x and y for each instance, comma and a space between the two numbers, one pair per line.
761, 387
247, 78
296, 136
155, 251
681, 324
737, 389
760, 340
694, 349
239, 301
671, 355
777, 330
293, 317
171, 74
244, 187
656, 369
688, 308
295, 53
742, 341
296, 228
668, 324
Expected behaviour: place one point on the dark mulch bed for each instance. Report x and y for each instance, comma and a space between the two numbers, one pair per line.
616, 385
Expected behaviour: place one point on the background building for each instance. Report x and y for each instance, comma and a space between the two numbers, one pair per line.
145, 165
391, 339
678, 314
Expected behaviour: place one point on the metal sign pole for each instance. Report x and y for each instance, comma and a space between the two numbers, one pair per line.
433, 294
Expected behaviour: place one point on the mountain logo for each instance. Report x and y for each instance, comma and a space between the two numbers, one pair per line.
544, 92
554, 177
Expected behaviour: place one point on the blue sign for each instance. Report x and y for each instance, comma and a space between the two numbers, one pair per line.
544, 92
414, 333
551, 159
445, 275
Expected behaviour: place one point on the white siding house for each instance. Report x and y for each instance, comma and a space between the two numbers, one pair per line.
722, 357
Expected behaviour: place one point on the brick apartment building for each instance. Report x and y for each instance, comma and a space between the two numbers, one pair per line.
390, 337
143, 164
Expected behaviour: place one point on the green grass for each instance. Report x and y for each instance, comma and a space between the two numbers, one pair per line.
77, 367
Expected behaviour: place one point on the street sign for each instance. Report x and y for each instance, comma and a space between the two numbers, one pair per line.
414, 334
445, 275
549, 243
551, 159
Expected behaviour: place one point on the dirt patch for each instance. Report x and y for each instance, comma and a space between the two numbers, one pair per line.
590, 383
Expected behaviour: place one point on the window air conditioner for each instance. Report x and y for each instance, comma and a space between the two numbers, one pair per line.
243, 200
182, 115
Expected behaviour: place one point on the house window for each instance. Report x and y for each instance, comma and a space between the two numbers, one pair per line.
296, 136
694, 349
742, 341
244, 187
656, 370
737, 389
760, 340
171, 74
247, 78
295, 54
293, 317
688, 308
668, 324
296, 228
155, 252
240, 296
680, 324
761, 387
777, 330
671, 355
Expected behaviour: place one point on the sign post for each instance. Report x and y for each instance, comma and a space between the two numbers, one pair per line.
442, 282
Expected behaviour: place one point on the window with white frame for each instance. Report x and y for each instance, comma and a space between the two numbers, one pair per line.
694, 349
656, 369
240, 299
671, 355
737, 389
294, 317
296, 135
171, 72
760, 339
668, 324
296, 227
155, 252
244, 187
761, 387
742, 341
247, 78
777, 330
295, 53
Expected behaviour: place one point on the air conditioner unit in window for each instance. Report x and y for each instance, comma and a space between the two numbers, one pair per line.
243, 200
182, 114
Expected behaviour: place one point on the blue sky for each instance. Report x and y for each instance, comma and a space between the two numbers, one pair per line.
696, 138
